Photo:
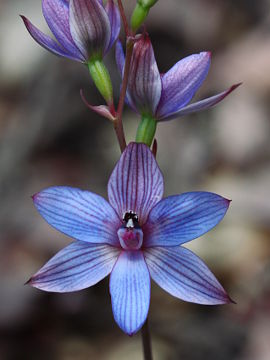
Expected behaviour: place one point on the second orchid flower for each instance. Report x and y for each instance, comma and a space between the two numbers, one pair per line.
161, 97
85, 31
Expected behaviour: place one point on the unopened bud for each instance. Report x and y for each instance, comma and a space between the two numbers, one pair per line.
140, 13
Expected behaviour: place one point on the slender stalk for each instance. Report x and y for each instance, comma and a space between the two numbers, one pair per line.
118, 125
129, 50
119, 131
146, 341
123, 16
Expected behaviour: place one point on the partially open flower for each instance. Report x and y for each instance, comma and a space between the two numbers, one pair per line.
82, 28
134, 236
165, 96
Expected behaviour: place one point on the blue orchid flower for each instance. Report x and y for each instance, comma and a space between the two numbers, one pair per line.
82, 28
165, 96
135, 236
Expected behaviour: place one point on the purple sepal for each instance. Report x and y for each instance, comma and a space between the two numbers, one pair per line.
181, 218
45, 41
115, 21
102, 110
184, 275
165, 96
76, 267
144, 85
89, 26
136, 183
130, 291
56, 14
79, 214
181, 82
201, 105
82, 28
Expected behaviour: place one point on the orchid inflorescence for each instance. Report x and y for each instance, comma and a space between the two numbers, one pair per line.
137, 234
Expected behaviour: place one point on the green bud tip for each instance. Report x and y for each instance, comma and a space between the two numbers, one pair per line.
140, 13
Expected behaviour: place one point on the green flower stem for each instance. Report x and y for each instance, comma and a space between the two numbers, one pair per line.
101, 78
146, 130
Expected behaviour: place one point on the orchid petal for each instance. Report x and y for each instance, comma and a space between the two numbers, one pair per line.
76, 267
45, 41
56, 13
120, 61
144, 83
89, 26
115, 21
184, 275
201, 105
178, 219
130, 291
136, 183
80, 214
181, 82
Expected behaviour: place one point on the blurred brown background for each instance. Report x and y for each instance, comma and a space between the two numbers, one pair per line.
48, 137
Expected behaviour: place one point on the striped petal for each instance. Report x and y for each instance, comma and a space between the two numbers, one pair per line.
115, 21
130, 291
80, 214
201, 105
181, 82
181, 218
184, 275
89, 26
76, 267
136, 183
45, 41
56, 13
144, 83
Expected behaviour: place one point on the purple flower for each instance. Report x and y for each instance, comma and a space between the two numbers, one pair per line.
82, 28
134, 236
165, 96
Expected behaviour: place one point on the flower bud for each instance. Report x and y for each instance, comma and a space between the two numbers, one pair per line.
140, 13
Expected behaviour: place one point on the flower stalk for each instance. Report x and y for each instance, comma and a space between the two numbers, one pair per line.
101, 78
118, 124
118, 121
124, 18
146, 130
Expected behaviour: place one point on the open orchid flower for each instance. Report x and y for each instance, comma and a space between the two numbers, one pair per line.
165, 96
82, 28
134, 237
